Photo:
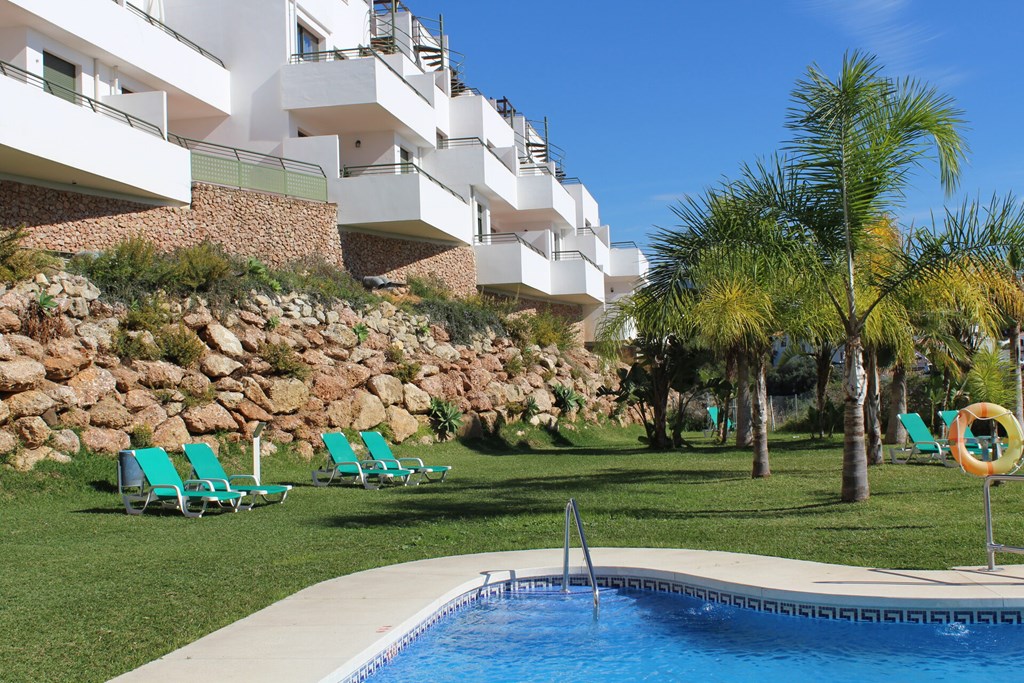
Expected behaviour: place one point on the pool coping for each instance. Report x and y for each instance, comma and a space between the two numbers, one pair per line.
342, 629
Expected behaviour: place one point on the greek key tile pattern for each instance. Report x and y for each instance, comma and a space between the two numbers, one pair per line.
793, 609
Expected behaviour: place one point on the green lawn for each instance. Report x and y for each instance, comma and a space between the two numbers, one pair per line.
89, 592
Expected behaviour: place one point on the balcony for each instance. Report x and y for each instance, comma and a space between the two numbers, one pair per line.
355, 91
592, 243
542, 199
246, 170
627, 261
576, 279
508, 262
468, 161
196, 82
402, 199
54, 134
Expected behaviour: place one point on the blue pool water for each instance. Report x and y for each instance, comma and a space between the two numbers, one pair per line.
649, 636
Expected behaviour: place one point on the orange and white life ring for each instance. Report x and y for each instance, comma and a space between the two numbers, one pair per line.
1010, 456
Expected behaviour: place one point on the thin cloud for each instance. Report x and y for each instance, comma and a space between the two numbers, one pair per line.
671, 197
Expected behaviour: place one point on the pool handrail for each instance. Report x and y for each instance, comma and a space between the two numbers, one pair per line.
573, 508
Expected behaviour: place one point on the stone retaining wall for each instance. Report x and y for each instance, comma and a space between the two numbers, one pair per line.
273, 228
399, 259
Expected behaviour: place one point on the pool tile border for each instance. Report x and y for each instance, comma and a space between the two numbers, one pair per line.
888, 615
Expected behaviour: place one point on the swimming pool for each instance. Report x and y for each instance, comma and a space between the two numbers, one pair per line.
650, 636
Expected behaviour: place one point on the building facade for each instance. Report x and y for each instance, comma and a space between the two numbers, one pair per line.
357, 102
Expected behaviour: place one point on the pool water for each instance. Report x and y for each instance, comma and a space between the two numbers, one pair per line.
649, 636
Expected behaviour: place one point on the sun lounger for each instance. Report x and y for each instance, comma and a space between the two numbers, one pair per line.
923, 443
343, 464
207, 467
380, 451
161, 483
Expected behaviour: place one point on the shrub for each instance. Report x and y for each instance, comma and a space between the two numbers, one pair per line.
547, 375
257, 273
193, 399
567, 399
17, 262
273, 322
128, 270
429, 287
548, 328
406, 372
201, 268
361, 331
179, 345
445, 417
318, 279
42, 320
284, 361
135, 345
142, 436
394, 354
530, 408
514, 366
461, 319
147, 313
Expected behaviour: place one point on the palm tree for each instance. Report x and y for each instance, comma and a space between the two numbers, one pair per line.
856, 141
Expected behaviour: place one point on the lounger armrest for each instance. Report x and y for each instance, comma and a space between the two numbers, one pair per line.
348, 462
373, 464
177, 489
243, 477
418, 461
385, 461
203, 484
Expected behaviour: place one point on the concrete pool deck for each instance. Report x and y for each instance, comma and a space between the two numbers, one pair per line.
328, 631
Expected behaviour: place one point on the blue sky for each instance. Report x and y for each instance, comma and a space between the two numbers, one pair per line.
652, 101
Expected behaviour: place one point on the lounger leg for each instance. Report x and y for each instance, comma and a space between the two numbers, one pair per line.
184, 507
129, 499
317, 481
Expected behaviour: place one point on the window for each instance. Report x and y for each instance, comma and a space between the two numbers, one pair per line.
62, 75
405, 159
306, 42
481, 220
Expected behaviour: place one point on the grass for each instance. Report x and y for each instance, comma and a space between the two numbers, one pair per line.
90, 592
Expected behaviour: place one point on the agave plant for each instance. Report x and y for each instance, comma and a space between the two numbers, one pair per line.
445, 417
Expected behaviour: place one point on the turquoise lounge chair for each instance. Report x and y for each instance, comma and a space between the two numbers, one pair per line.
343, 464
923, 443
207, 467
948, 416
161, 483
713, 429
379, 450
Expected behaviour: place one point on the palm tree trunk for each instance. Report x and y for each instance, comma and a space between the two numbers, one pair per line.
894, 432
1017, 379
872, 409
743, 432
855, 465
761, 468
658, 438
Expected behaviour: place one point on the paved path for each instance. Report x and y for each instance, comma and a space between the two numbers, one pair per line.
326, 631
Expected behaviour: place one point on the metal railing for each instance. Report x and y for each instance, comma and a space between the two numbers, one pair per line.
572, 255
360, 52
586, 231
572, 511
222, 165
534, 169
630, 244
991, 547
506, 238
571, 180
153, 21
403, 168
69, 95
449, 143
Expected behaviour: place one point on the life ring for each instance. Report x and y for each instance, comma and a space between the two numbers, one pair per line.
1010, 456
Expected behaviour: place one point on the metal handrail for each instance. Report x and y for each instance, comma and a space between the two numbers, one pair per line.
506, 238
574, 510
534, 169
69, 95
991, 547
571, 180
586, 231
351, 53
449, 143
630, 244
403, 168
153, 21
572, 255
245, 156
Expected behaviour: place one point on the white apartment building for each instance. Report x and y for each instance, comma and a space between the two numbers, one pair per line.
361, 96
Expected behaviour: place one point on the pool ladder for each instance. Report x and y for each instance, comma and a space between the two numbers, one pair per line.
572, 511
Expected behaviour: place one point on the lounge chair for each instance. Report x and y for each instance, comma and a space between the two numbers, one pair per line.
343, 464
207, 467
947, 418
923, 443
713, 428
160, 483
379, 450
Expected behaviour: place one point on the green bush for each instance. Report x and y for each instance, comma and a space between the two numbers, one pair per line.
142, 436
461, 319
361, 331
514, 366
147, 313
318, 279
284, 361
203, 398
445, 417
135, 345
16, 262
179, 345
126, 272
406, 372
548, 328
429, 287
394, 354
567, 399
202, 268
